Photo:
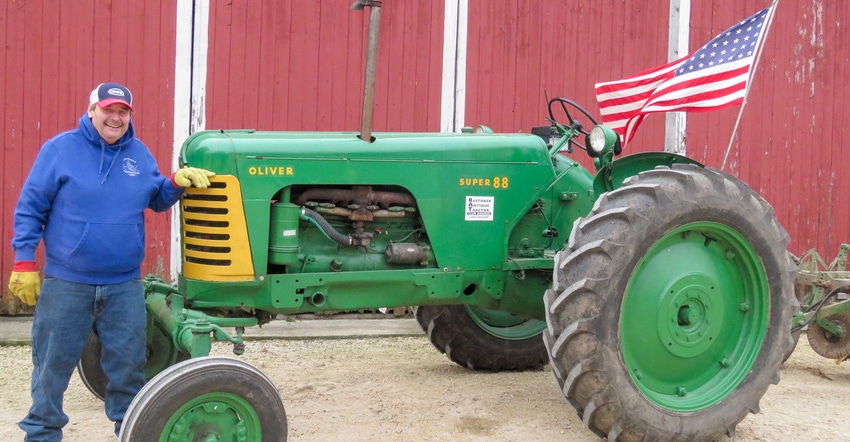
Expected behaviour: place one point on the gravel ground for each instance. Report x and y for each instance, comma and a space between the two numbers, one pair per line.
402, 389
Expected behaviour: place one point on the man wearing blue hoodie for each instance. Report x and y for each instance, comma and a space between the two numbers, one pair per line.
85, 197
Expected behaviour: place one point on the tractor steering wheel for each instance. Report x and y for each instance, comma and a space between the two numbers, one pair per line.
573, 123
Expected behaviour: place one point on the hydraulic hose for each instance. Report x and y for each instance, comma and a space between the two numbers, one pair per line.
326, 229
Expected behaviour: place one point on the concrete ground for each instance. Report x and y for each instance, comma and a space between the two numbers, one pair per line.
15, 330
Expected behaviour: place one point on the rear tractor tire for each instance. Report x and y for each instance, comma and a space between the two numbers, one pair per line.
486, 340
671, 308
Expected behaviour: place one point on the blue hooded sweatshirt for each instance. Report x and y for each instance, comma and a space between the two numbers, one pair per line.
87, 199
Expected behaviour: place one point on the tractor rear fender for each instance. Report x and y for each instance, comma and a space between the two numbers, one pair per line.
612, 175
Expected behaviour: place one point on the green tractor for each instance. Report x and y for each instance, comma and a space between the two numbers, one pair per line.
659, 291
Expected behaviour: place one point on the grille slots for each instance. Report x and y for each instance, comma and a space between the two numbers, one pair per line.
215, 234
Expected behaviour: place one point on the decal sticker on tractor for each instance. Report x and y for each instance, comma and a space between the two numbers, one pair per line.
498, 182
479, 208
270, 170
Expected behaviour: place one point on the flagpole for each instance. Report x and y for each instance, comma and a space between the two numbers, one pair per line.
768, 24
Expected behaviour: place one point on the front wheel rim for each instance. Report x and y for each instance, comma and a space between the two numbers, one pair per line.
213, 417
694, 316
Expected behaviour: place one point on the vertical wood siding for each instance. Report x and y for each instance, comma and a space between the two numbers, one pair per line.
54, 53
300, 66
789, 145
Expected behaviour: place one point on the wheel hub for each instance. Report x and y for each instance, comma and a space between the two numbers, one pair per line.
208, 418
687, 324
505, 325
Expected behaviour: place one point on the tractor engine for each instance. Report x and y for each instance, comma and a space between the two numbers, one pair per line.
339, 229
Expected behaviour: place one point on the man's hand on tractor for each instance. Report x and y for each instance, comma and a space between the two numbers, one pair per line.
192, 176
25, 282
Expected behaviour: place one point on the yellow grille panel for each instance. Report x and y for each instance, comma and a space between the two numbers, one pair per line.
215, 233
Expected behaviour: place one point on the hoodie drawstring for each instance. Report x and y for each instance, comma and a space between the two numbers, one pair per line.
102, 155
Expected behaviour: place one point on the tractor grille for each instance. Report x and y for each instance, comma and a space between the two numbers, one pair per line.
215, 233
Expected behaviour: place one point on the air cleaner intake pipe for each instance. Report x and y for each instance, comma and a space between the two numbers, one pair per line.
371, 63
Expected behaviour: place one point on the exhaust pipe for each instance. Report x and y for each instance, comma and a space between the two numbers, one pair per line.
371, 66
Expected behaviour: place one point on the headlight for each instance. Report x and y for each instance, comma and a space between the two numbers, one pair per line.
601, 140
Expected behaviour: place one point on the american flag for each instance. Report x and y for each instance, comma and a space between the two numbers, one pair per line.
714, 77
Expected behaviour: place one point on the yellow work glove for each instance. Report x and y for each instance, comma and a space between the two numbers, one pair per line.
192, 176
25, 282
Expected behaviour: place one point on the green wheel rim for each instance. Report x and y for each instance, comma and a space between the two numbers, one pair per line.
214, 417
505, 325
694, 316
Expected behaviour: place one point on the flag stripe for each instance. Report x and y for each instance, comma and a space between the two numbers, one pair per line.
696, 88
707, 78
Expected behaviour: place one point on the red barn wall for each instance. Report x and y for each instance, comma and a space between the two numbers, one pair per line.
300, 66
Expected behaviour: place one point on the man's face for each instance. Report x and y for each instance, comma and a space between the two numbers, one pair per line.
111, 122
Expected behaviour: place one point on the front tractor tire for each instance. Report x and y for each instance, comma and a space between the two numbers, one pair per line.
671, 308
482, 339
206, 399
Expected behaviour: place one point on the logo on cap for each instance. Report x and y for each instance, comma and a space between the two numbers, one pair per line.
115, 91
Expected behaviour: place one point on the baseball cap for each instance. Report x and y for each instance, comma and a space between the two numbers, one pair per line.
110, 93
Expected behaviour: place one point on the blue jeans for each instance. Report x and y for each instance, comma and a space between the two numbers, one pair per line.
65, 314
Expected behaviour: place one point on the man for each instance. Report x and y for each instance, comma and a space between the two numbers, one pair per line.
85, 197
